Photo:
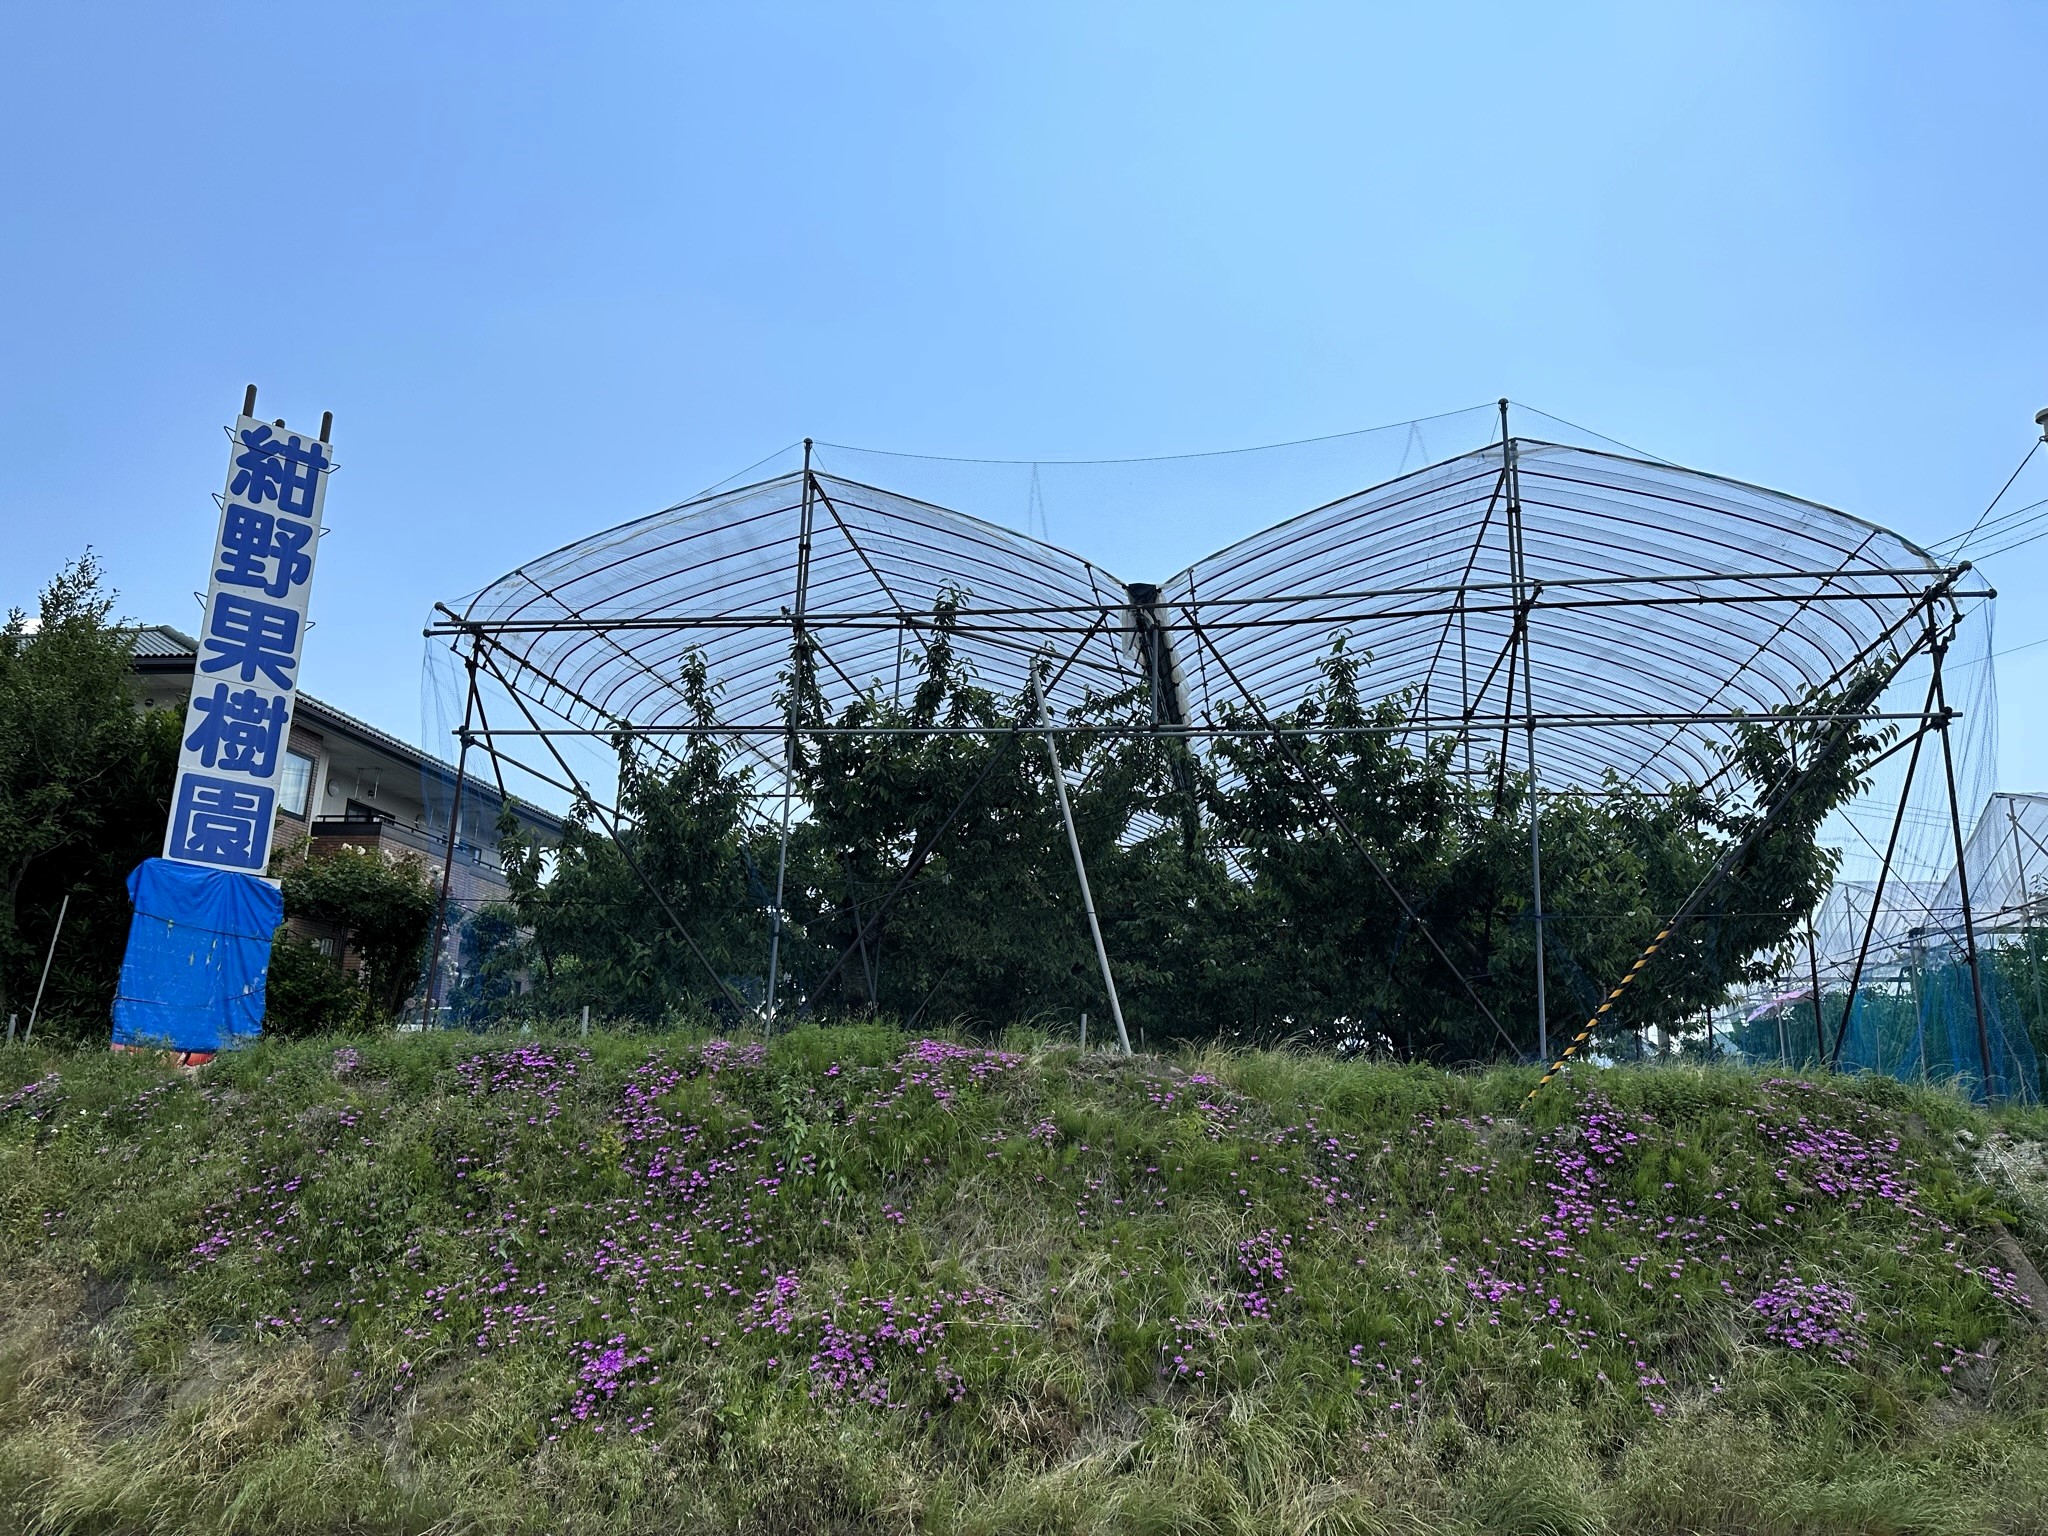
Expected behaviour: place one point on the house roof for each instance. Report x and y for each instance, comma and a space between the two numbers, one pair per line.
162, 648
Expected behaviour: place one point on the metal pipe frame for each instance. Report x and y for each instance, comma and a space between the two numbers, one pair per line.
1205, 732
892, 617
1517, 598
789, 751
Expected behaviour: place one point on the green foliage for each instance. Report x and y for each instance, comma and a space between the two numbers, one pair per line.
929, 877
386, 907
984, 927
653, 922
2020, 963
85, 781
492, 958
307, 993
860, 1281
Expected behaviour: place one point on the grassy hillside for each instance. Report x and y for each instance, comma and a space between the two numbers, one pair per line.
855, 1281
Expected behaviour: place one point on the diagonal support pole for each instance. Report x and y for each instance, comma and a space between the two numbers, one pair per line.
1059, 784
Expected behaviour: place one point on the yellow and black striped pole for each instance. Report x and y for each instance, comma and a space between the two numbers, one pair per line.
1773, 806
1621, 986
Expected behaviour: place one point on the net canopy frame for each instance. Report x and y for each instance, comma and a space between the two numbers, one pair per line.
1659, 607
1604, 618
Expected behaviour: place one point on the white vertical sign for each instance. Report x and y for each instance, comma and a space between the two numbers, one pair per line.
247, 674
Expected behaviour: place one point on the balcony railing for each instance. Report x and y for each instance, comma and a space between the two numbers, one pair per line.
377, 832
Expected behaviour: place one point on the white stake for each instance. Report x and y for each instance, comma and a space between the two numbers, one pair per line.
63, 907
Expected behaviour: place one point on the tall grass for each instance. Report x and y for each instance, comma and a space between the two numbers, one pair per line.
855, 1281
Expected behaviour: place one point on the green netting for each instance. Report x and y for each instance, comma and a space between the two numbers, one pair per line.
1916, 1022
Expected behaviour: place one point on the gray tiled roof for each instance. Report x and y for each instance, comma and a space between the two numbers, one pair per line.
162, 641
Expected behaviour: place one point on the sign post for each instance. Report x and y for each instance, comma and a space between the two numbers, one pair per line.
198, 956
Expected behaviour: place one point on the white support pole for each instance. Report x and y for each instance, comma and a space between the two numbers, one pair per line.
1059, 782
63, 907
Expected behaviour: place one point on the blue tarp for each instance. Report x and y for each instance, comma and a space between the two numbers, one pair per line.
198, 952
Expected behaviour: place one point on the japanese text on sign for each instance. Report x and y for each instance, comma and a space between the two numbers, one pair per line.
254, 626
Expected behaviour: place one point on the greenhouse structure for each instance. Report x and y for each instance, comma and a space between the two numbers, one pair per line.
1592, 620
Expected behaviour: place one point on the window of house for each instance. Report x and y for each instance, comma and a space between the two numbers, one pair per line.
297, 784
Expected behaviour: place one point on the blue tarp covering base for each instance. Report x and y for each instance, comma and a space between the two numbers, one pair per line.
198, 952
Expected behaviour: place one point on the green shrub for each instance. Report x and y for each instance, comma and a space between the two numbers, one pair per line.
308, 993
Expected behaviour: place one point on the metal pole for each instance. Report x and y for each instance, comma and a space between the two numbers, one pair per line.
36, 1007
1345, 830
1884, 871
796, 663
1059, 784
1536, 876
2026, 902
448, 858
1465, 686
1519, 560
1820, 1040
1919, 1007
1098, 732
1955, 822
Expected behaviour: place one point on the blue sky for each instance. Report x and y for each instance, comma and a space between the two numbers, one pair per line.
555, 267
